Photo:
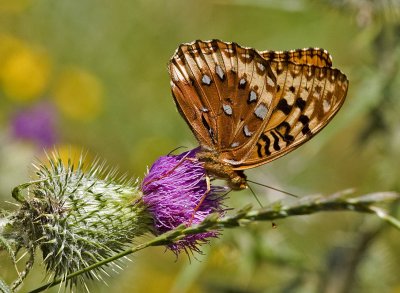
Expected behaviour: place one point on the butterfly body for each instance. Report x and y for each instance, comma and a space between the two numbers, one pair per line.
248, 107
218, 168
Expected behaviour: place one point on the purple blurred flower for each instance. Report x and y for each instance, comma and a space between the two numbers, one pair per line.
36, 124
173, 189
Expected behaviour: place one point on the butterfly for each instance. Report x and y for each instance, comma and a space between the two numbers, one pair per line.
247, 107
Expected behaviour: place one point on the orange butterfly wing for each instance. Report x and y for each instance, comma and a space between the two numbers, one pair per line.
252, 107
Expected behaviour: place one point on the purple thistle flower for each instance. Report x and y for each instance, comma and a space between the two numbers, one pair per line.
172, 191
35, 124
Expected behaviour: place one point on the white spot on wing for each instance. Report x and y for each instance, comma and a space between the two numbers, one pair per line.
326, 105
246, 131
174, 75
252, 96
206, 79
235, 144
227, 109
233, 162
260, 66
261, 111
204, 109
219, 72
242, 82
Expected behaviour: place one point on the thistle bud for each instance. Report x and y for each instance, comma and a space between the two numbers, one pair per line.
78, 217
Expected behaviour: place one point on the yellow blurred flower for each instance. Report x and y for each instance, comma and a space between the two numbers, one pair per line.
72, 153
78, 94
24, 72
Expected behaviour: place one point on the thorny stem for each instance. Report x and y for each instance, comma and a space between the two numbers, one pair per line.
304, 206
24, 273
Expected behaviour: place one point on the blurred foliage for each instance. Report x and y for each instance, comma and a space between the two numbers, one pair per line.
102, 65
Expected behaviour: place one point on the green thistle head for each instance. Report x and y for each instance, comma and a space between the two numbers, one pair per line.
78, 216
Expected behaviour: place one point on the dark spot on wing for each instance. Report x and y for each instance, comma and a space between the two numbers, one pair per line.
207, 126
267, 143
305, 120
284, 107
300, 103
276, 141
283, 130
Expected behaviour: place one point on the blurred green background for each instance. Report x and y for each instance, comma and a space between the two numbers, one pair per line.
93, 74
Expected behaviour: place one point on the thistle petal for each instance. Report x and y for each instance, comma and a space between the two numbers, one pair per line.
175, 192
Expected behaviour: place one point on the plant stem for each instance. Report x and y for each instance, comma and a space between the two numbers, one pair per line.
304, 206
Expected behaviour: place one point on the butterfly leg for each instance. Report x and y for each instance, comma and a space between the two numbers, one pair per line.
203, 197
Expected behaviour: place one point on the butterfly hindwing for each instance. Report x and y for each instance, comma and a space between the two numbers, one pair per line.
310, 56
318, 94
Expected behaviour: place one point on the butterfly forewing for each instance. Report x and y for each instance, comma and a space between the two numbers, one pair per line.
251, 107
217, 86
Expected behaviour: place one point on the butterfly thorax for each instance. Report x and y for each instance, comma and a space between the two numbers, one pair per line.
217, 168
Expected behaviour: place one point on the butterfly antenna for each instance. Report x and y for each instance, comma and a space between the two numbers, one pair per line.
255, 196
273, 188
177, 148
